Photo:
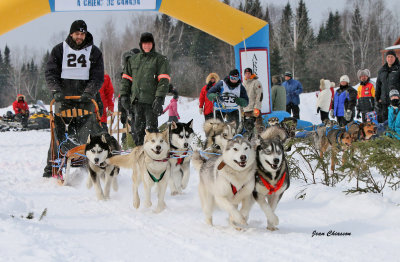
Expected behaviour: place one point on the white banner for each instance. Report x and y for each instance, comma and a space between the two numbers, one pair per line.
103, 5
257, 60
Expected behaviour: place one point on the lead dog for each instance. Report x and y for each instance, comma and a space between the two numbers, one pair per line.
272, 178
227, 180
150, 165
97, 150
180, 138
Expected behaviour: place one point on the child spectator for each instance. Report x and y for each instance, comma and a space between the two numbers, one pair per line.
173, 109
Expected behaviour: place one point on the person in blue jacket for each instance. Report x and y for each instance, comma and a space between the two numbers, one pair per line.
393, 114
229, 93
344, 102
293, 91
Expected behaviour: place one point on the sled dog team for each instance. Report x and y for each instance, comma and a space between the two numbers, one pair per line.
232, 169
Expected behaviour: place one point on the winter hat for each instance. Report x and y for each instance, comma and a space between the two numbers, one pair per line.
234, 72
276, 80
289, 74
344, 78
145, 38
324, 84
363, 72
248, 70
394, 92
78, 25
391, 52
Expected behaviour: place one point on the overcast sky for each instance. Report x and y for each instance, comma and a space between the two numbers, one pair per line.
39, 34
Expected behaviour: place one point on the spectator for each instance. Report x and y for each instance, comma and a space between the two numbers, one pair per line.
324, 99
278, 94
393, 114
172, 109
21, 110
388, 79
344, 102
206, 106
107, 97
255, 94
365, 94
293, 91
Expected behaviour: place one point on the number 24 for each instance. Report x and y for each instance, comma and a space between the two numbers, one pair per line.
72, 60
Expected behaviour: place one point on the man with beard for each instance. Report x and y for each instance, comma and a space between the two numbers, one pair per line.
388, 79
75, 68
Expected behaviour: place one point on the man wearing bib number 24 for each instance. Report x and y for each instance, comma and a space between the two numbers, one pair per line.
75, 68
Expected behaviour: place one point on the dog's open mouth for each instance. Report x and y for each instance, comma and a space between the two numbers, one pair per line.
274, 166
241, 163
157, 152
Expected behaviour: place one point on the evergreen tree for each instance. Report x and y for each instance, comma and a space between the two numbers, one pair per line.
275, 61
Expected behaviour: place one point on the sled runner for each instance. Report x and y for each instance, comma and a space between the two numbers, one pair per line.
70, 128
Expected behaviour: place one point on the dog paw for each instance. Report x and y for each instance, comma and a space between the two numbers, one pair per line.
209, 221
174, 193
100, 197
160, 208
273, 220
272, 228
147, 204
136, 203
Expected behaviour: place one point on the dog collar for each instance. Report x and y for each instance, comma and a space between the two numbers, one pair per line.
162, 160
272, 189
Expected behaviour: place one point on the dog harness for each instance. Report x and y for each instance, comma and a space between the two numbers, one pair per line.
155, 180
234, 190
180, 158
272, 189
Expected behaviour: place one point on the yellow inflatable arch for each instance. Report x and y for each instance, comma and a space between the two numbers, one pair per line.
248, 34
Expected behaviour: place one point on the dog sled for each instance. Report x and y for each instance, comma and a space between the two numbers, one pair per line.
70, 128
220, 107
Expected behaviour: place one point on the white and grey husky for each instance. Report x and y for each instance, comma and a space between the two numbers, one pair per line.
98, 149
180, 138
272, 178
150, 164
228, 180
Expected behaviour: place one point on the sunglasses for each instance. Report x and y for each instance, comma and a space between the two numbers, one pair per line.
234, 78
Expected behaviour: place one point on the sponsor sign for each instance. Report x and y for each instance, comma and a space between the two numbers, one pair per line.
103, 5
257, 60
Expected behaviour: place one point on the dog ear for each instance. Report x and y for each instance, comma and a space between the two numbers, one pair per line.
173, 125
233, 123
103, 139
147, 132
88, 140
190, 123
165, 134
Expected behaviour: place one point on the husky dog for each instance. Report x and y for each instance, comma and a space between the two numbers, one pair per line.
272, 178
150, 164
98, 149
227, 180
218, 133
180, 138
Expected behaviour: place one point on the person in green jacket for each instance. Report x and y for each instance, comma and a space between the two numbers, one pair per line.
278, 94
144, 86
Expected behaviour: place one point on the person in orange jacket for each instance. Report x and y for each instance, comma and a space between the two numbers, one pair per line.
21, 110
107, 97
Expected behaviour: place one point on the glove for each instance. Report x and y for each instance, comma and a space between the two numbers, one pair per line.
240, 101
358, 114
347, 115
212, 96
201, 110
126, 103
331, 114
318, 109
86, 97
157, 105
256, 112
58, 96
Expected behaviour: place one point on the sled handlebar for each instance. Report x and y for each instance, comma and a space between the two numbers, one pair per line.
96, 110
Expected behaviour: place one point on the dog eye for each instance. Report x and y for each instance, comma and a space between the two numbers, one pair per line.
161, 141
246, 148
225, 135
180, 136
153, 141
92, 151
235, 149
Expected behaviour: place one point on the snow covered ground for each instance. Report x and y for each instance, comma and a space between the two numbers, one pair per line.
77, 227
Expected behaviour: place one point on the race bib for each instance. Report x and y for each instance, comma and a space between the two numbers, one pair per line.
75, 63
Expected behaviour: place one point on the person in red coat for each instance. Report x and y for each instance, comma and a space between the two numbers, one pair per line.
21, 110
107, 97
205, 105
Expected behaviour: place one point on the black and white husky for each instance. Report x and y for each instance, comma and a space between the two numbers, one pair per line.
98, 149
272, 178
180, 138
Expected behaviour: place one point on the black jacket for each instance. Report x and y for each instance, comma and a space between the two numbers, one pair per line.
73, 87
388, 79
